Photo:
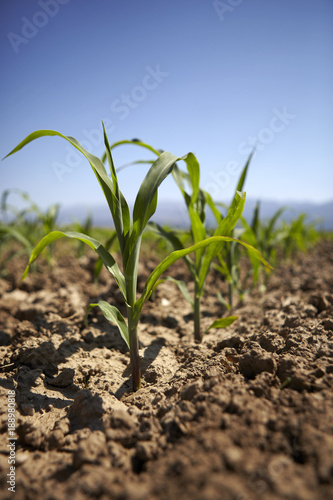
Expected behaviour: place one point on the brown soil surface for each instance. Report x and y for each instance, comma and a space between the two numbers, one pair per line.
247, 414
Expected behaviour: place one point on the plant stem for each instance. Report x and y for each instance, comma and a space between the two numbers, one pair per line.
131, 286
231, 294
135, 358
197, 331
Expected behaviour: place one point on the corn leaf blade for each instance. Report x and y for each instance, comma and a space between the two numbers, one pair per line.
223, 322
175, 242
198, 232
178, 254
242, 178
107, 258
224, 228
112, 314
95, 163
193, 169
120, 210
145, 202
16, 235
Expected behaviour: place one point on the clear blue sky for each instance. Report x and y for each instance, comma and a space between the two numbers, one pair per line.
183, 75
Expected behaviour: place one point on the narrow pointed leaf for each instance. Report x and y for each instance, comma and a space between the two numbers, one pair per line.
16, 235
175, 242
242, 178
234, 213
225, 228
179, 176
209, 200
174, 256
223, 322
112, 314
136, 143
145, 203
99, 261
95, 163
198, 233
255, 220
120, 212
193, 169
272, 222
107, 258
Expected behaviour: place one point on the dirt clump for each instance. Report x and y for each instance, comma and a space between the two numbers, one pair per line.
245, 415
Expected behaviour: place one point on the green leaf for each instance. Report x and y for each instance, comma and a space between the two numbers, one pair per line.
225, 228
193, 169
99, 261
178, 254
120, 210
145, 203
256, 221
107, 258
169, 235
95, 163
135, 143
242, 178
249, 235
272, 221
223, 268
175, 242
212, 206
222, 323
198, 233
112, 314
16, 235
179, 177
234, 213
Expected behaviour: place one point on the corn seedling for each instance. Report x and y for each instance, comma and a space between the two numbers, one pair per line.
297, 235
229, 257
264, 236
129, 234
32, 217
29, 224
9, 233
196, 203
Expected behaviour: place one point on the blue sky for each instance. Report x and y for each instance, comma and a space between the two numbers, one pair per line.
211, 77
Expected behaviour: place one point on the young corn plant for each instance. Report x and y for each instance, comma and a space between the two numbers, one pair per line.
32, 218
266, 237
196, 203
129, 234
229, 257
25, 225
297, 236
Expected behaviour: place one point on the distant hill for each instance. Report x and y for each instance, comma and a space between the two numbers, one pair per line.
175, 215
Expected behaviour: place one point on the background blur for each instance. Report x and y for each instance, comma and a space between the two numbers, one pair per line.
211, 77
